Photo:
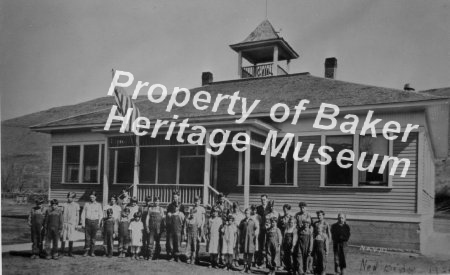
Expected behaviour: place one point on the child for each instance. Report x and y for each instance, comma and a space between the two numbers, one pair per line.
53, 224
115, 208
303, 246
125, 197
155, 217
340, 233
174, 234
321, 235
289, 234
109, 232
145, 235
258, 220
273, 243
124, 236
238, 216
229, 240
136, 228
71, 218
283, 221
191, 228
248, 235
36, 223
134, 207
213, 237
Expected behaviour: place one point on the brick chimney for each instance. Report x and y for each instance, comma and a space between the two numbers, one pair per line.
330, 67
207, 78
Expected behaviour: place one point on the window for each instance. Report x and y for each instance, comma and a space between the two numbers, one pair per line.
125, 165
256, 166
147, 170
192, 163
90, 163
282, 169
72, 163
371, 146
167, 165
334, 174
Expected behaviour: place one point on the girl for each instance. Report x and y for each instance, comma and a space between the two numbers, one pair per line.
238, 217
229, 237
136, 228
213, 237
248, 235
340, 233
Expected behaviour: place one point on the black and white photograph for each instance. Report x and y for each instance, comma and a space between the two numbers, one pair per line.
262, 137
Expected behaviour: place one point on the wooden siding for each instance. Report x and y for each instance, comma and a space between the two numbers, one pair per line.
400, 199
59, 191
426, 198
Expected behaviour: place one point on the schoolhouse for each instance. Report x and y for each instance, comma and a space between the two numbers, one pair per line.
384, 210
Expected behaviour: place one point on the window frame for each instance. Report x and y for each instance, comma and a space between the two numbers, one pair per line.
355, 171
81, 164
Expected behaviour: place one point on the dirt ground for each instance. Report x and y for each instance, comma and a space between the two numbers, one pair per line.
359, 262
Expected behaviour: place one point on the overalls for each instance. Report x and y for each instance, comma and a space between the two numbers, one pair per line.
287, 247
154, 225
108, 235
124, 235
36, 221
272, 243
192, 237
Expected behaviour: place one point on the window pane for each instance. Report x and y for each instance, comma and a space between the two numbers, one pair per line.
282, 170
334, 174
256, 166
72, 163
148, 165
90, 163
192, 170
371, 145
167, 165
125, 165
188, 151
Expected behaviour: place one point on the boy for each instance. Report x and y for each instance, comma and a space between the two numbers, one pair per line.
200, 216
124, 236
191, 228
90, 220
53, 224
288, 245
303, 246
321, 235
145, 236
109, 232
36, 223
115, 208
174, 234
155, 216
248, 234
273, 243
71, 218
340, 233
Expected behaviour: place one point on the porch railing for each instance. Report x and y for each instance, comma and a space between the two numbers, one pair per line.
257, 71
164, 191
281, 71
213, 197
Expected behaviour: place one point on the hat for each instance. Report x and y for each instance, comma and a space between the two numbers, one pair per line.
133, 199
148, 198
54, 202
71, 195
302, 204
176, 192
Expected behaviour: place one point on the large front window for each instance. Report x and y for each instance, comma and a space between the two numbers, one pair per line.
72, 163
282, 169
90, 163
256, 166
125, 165
192, 163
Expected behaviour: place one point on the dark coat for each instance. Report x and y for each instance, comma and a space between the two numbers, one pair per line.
247, 230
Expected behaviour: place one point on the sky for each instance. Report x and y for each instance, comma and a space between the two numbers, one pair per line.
55, 53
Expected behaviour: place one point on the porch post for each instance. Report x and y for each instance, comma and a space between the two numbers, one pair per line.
239, 64
136, 168
275, 61
206, 175
247, 175
105, 173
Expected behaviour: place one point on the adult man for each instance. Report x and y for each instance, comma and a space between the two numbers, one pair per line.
174, 207
90, 220
302, 215
199, 216
71, 218
221, 206
262, 210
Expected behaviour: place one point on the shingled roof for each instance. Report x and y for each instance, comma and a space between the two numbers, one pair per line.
264, 31
288, 89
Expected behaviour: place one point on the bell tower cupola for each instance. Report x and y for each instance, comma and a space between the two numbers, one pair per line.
267, 53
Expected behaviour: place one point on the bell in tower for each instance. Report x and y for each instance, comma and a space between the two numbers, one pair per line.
265, 52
